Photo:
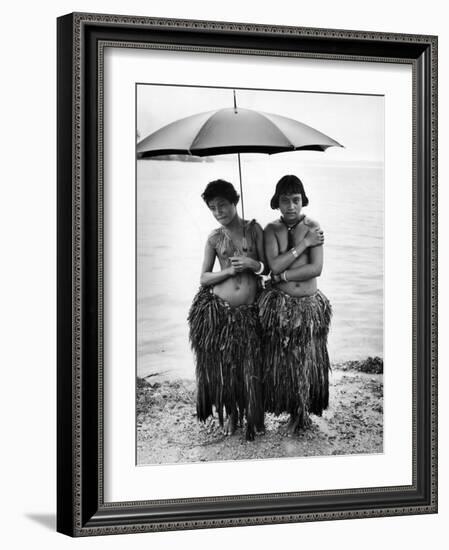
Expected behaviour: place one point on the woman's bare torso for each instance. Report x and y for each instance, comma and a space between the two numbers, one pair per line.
295, 288
241, 288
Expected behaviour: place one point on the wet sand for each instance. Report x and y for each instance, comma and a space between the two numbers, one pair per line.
168, 431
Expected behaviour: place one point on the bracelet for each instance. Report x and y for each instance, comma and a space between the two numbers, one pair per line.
284, 276
261, 269
294, 252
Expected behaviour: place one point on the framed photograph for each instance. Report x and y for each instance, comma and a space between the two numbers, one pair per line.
247, 274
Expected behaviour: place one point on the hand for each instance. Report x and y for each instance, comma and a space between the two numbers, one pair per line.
275, 278
240, 263
314, 237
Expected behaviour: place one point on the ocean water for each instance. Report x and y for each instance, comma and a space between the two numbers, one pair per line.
347, 199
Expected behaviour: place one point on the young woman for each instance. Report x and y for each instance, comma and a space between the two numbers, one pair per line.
294, 314
223, 319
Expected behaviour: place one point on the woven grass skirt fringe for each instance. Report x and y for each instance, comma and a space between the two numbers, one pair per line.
226, 343
296, 361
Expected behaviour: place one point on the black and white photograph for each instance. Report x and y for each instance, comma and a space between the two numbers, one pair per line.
259, 273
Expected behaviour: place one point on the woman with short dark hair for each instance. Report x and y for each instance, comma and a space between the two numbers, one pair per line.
223, 319
294, 314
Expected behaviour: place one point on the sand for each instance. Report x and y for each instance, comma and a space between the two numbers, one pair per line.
168, 431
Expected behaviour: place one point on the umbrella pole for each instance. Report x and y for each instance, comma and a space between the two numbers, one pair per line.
244, 242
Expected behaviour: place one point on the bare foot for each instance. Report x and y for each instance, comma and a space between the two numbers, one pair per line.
230, 425
260, 426
292, 425
250, 433
304, 422
297, 422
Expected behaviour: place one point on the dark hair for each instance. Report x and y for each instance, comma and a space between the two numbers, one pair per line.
288, 185
220, 188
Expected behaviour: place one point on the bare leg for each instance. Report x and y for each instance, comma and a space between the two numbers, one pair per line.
260, 429
250, 432
231, 424
292, 425
298, 421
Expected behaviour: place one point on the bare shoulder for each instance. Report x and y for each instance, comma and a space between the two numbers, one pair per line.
273, 227
310, 223
214, 236
257, 227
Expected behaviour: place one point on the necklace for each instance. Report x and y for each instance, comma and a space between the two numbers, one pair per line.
290, 229
243, 250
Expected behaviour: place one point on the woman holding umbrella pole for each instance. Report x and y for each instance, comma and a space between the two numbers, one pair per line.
223, 319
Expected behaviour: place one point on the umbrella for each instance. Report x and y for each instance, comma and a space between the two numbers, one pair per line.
233, 130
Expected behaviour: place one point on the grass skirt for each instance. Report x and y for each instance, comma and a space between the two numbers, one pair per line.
226, 343
296, 361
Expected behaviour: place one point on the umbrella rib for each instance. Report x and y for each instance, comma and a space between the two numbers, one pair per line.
322, 147
263, 115
172, 150
211, 114
189, 150
289, 146
199, 132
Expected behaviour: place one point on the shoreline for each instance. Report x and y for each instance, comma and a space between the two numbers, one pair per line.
168, 431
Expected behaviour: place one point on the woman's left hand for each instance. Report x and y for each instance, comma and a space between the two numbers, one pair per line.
240, 263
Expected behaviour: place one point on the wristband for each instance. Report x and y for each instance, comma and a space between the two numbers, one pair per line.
284, 276
261, 269
294, 252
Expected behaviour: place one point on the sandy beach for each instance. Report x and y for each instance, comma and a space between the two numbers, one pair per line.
168, 431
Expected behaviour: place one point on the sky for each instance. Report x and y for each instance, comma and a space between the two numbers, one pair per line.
355, 121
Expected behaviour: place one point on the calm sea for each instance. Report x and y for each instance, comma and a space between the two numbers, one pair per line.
173, 223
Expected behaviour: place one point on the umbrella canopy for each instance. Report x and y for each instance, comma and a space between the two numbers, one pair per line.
233, 130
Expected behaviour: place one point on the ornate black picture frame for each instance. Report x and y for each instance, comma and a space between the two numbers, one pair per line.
81, 509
